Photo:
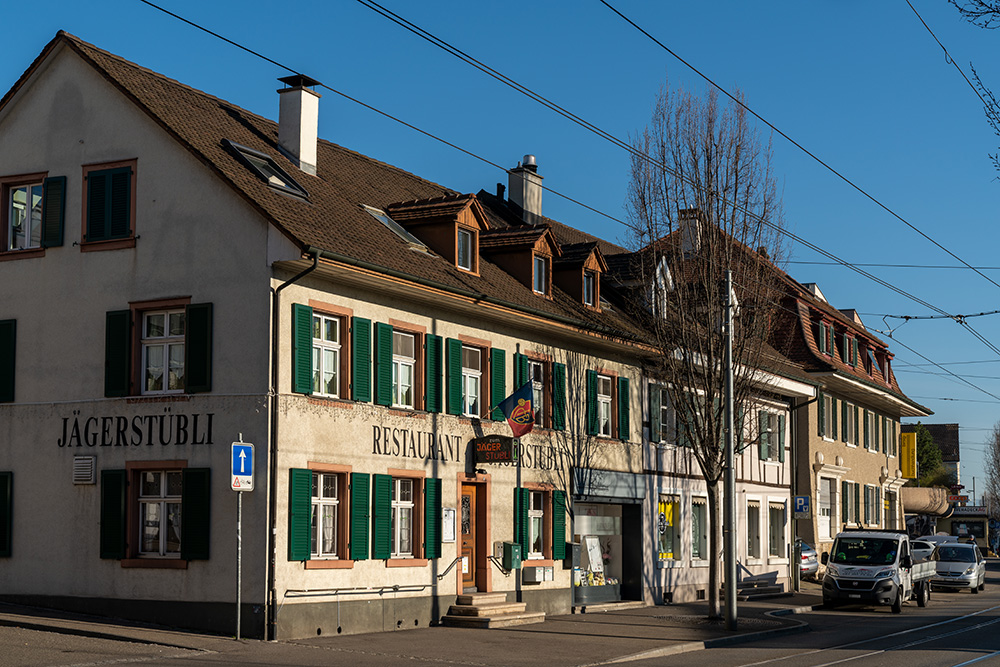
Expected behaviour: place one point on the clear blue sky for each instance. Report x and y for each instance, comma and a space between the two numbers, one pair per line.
861, 84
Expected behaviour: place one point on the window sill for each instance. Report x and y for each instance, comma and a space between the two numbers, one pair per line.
669, 564
155, 563
538, 562
115, 244
412, 413
777, 561
28, 253
700, 562
852, 446
329, 564
330, 401
406, 562
160, 398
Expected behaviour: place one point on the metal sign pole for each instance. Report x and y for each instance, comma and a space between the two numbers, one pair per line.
239, 560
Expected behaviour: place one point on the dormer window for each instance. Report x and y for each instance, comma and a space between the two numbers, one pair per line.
589, 288
266, 168
396, 228
465, 249
541, 279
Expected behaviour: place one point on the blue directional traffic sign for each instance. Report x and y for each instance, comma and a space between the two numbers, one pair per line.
801, 507
242, 466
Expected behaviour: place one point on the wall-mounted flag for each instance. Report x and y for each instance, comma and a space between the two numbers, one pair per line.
518, 411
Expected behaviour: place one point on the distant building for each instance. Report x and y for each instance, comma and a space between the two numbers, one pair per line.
946, 438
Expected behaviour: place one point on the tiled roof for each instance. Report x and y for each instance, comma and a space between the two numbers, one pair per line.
511, 237
332, 218
446, 205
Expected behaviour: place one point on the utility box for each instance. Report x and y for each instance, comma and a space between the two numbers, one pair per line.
511, 559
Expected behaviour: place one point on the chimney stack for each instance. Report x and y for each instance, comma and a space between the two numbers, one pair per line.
525, 187
298, 120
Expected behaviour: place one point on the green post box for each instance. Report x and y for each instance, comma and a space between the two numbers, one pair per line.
511, 556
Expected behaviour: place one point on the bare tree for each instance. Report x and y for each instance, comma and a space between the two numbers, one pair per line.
985, 14
992, 464
702, 200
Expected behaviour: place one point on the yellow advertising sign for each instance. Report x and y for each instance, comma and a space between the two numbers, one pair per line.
908, 455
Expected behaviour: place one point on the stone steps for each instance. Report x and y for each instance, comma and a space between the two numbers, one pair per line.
489, 610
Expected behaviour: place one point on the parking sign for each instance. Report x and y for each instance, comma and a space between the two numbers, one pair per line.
242, 466
801, 507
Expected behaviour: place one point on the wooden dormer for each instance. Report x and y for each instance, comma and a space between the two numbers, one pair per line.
578, 273
449, 225
527, 253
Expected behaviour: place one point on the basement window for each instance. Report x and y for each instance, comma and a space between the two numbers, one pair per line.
266, 168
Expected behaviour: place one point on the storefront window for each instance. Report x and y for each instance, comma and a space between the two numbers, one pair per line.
699, 529
668, 534
776, 533
600, 538
753, 529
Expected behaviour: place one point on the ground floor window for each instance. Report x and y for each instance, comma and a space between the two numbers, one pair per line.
324, 525
160, 513
602, 558
753, 529
827, 491
776, 530
401, 530
667, 527
540, 522
699, 529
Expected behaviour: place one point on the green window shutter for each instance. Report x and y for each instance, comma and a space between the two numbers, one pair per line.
868, 505
623, 408
854, 352
765, 441
884, 427
113, 514
591, 402
857, 499
683, 421
109, 206
383, 363
361, 359
845, 490
432, 518
738, 427
198, 348
654, 412
521, 500
498, 380
117, 352
8, 353
381, 516
833, 417
302, 353
453, 375
196, 515
867, 433
300, 513
558, 525
559, 396
821, 415
781, 438
877, 515
854, 411
53, 211
520, 370
821, 339
6, 512
360, 516
434, 368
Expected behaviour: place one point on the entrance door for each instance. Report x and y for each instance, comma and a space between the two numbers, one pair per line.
468, 520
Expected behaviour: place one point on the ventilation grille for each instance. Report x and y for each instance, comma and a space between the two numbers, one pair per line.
84, 468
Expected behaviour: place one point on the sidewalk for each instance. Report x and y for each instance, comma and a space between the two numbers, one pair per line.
595, 638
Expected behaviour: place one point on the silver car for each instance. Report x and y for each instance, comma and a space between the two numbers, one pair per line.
921, 550
959, 566
808, 562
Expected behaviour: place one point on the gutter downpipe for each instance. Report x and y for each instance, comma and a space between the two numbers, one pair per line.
270, 609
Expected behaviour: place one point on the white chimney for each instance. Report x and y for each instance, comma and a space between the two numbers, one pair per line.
298, 120
525, 187
690, 224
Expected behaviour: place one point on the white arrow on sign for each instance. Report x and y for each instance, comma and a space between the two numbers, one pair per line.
243, 459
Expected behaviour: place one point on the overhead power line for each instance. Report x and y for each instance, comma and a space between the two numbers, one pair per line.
897, 266
478, 157
802, 148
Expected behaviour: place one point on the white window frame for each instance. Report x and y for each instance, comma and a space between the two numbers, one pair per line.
536, 524
31, 226
401, 508
782, 543
161, 503
668, 425
772, 436
472, 384
699, 555
167, 342
536, 373
464, 244
825, 522
589, 287
753, 540
829, 421
540, 275
604, 401
322, 348
850, 437
400, 363
320, 534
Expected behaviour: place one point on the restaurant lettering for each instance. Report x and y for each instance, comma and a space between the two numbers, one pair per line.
148, 430
409, 444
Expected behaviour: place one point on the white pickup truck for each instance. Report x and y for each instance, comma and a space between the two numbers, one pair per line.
875, 567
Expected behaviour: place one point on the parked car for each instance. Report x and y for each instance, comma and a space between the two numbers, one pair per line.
808, 561
921, 550
938, 539
959, 566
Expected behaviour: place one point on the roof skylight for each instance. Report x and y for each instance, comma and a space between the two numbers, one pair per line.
396, 228
266, 168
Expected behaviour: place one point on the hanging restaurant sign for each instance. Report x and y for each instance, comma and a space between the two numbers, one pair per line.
495, 449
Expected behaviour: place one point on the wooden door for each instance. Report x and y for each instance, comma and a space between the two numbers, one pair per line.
467, 518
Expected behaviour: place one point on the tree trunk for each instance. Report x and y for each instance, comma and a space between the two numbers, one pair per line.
714, 551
